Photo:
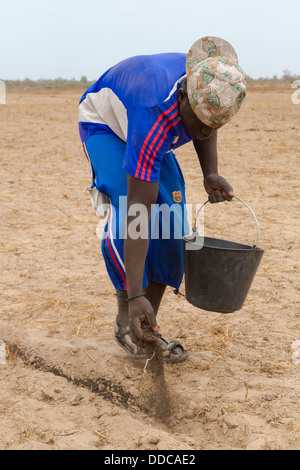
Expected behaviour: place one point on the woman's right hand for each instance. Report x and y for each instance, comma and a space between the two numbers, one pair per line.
140, 310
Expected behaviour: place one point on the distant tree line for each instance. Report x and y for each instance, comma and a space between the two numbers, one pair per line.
57, 83
286, 76
63, 83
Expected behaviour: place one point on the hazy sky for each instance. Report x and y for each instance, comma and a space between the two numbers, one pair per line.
72, 38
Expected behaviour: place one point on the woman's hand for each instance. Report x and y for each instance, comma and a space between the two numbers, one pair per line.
218, 188
140, 310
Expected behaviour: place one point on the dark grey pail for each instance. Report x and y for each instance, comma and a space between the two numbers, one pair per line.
219, 273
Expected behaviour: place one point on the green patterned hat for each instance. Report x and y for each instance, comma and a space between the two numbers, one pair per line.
216, 84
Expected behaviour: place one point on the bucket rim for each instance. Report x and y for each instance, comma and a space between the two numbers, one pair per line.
243, 246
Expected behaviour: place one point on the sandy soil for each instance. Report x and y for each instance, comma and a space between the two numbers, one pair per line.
66, 384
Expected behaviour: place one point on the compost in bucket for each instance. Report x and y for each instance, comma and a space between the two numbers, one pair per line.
219, 273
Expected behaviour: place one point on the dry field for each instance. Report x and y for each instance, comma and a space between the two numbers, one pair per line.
66, 384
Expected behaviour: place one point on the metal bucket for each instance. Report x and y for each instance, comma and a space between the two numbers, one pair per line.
219, 273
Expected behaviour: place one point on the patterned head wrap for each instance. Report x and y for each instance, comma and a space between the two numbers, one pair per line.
216, 84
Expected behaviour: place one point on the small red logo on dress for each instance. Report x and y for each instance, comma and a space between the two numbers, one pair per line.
177, 196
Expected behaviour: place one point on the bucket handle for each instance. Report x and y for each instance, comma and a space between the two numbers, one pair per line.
235, 197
